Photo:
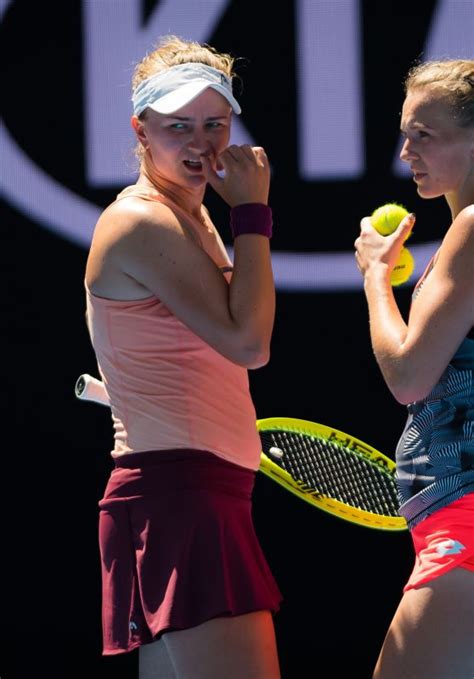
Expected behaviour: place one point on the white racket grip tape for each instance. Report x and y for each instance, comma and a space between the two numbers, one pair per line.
89, 388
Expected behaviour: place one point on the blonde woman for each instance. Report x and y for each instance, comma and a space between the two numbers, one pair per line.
175, 326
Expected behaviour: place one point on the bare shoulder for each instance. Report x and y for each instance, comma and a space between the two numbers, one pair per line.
463, 224
124, 219
132, 225
127, 230
460, 235
457, 250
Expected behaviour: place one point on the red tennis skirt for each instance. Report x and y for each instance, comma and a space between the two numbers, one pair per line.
443, 541
178, 546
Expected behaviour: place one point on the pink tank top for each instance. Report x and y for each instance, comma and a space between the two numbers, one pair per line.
167, 387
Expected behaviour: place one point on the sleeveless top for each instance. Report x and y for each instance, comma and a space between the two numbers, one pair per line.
168, 388
435, 454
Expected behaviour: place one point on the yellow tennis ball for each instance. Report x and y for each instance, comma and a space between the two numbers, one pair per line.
404, 267
386, 218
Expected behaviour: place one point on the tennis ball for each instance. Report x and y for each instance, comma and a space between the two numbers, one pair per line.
404, 267
386, 218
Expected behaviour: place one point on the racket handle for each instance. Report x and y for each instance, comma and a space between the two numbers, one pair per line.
89, 388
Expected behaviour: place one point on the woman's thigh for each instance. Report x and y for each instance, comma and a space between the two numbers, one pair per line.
432, 632
230, 647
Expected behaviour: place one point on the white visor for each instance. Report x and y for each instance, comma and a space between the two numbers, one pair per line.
170, 90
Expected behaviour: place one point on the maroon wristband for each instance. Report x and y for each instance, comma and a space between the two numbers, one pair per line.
251, 218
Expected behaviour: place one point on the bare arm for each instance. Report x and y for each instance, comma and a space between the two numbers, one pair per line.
412, 356
149, 245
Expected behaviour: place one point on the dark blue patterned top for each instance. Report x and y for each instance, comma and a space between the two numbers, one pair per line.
435, 454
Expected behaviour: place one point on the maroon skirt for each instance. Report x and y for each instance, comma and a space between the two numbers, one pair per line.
178, 546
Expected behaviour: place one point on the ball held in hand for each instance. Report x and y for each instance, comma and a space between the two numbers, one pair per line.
386, 218
404, 267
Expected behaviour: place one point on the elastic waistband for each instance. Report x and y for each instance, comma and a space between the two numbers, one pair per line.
159, 472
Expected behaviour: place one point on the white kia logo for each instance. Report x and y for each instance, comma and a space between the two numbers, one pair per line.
330, 127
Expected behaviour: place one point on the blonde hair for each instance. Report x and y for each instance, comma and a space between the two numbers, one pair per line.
452, 79
171, 51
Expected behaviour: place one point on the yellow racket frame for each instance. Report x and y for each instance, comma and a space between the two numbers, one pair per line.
311, 495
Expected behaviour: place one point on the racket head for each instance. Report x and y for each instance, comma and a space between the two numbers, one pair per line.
331, 470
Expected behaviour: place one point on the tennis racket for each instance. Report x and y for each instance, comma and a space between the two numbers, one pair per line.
321, 465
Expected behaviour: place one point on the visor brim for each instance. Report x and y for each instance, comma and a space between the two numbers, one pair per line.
173, 101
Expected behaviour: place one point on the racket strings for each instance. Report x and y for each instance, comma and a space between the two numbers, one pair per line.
329, 469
